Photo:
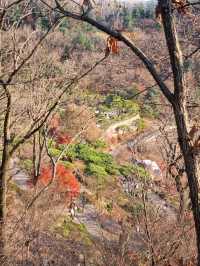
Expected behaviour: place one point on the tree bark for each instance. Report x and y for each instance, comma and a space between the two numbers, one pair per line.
3, 170
3, 176
181, 114
192, 170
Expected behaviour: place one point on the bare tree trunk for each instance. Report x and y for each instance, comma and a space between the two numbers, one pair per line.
3, 175
192, 169
3, 170
180, 112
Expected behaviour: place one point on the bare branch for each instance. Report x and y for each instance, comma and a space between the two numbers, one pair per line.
53, 106
24, 61
116, 34
192, 53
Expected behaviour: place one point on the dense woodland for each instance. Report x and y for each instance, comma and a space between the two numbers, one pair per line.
100, 133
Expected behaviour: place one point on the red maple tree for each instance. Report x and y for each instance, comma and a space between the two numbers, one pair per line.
66, 180
63, 138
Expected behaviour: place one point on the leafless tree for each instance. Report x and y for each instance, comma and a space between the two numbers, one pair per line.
176, 95
18, 50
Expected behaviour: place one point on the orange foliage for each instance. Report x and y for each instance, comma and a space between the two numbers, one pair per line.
62, 138
66, 180
112, 46
45, 175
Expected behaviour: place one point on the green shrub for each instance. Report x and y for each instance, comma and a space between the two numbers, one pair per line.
54, 152
112, 169
121, 105
126, 170
97, 163
150, 107
136, 170
87, 27
15, 14
87, 153
99, 144
71, 152
96, 170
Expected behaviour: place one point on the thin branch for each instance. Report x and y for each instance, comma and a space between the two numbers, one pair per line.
5, 9
192, 53
116, 34
24, 61
54, 105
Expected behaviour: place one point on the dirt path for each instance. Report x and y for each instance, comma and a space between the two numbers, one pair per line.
127, 122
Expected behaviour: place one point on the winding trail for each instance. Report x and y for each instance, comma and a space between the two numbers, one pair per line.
127, 122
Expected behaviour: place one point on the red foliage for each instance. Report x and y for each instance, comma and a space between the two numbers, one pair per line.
66, 180
45, 175
54, 131
63, 138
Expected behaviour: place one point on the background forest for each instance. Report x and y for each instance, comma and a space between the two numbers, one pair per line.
99, 126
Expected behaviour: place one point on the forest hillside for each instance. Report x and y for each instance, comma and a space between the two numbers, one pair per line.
99, 133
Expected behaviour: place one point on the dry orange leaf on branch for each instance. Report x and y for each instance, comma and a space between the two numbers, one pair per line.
111, 46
